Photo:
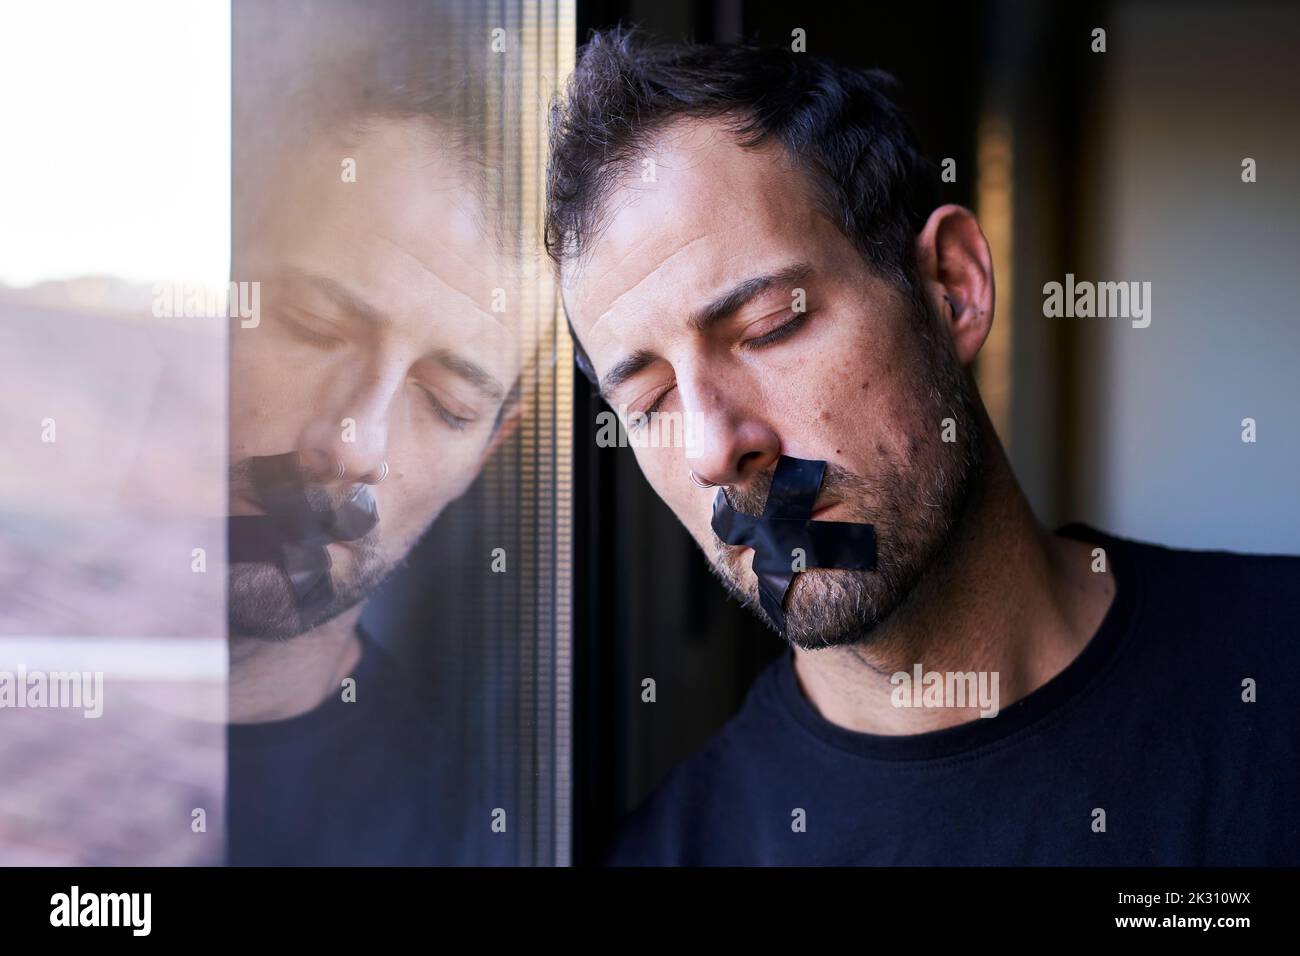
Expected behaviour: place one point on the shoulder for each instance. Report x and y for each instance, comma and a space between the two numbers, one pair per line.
1272, 579
1252, 585
1225, 604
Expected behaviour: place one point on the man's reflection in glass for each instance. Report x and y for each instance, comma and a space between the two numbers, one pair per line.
377, 372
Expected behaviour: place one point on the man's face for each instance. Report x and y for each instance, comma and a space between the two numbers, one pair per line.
862, 378
377, 345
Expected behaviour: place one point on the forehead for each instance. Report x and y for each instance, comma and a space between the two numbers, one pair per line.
408, 234
714, 213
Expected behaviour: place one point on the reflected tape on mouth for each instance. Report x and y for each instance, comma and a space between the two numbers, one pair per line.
785, 525
292, 535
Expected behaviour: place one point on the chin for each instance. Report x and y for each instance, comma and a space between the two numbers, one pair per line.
823, 607
831, 608
261, 605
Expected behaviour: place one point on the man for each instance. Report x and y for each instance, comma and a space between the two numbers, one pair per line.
368, 395
750, 238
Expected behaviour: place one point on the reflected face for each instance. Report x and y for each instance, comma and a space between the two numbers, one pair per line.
377, 355
720, 292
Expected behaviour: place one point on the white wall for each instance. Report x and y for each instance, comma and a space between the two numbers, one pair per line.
1191, 91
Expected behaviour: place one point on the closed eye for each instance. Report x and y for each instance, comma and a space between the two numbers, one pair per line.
777, 334
660, 400
638, 420
450, 418
310, 329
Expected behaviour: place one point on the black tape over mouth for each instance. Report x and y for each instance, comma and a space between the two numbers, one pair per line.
787, 524
292, 535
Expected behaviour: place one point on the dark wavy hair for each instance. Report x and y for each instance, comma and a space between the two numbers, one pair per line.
841, 123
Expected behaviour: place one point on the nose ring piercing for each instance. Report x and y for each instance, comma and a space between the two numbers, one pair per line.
698, 480
383, 472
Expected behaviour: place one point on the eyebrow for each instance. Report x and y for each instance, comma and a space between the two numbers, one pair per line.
704, 318
471, 372
741, 294
474, 374
624, 370
340, 295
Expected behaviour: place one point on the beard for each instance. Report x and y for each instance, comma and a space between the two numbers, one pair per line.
261, 604
917, 507
260, 601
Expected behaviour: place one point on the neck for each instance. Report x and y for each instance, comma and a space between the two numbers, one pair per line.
1006, 598
276, 680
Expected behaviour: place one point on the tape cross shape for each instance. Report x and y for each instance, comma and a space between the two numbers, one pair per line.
292, 535
786, 525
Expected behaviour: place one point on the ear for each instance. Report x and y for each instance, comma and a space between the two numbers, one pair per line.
511, 416
956, 273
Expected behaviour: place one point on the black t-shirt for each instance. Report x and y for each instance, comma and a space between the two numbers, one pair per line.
1147, 724
374, 781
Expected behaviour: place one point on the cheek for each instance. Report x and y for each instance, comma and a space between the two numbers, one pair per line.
431, 469
855, 406
835, 403
667, 471
267, 408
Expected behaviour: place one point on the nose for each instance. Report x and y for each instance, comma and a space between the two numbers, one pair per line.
734, 442
347, 440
